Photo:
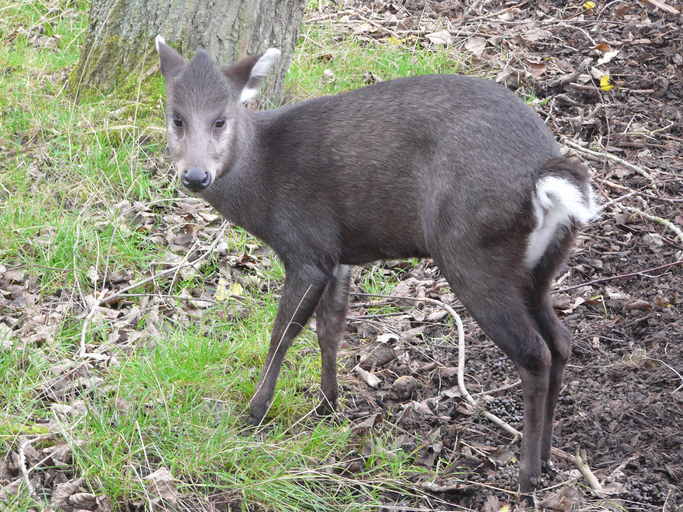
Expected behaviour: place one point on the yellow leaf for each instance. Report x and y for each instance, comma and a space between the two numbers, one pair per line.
605, 83
236, 289
589, 5
394, 41
504, 508
221, 293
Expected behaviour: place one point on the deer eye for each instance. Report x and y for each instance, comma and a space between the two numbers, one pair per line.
219, 123
177, 121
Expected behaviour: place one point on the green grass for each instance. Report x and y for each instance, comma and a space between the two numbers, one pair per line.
355, 62
176, 396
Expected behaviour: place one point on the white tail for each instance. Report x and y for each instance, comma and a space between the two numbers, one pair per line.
557, 202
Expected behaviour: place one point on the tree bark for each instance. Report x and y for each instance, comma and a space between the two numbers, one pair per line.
119, 48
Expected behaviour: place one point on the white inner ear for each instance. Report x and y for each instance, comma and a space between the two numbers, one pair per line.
248, 94
158, 41
266, 62
258, 72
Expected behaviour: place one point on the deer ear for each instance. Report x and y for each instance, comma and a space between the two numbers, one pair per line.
169, 59
248, 74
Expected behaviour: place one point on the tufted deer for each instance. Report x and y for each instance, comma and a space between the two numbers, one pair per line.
444, 166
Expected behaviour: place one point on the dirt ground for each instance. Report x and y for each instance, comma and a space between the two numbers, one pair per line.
622, 402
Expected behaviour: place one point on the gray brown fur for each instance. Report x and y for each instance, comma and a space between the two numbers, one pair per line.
440, 166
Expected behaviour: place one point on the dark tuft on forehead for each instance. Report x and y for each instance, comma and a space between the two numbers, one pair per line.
202, 85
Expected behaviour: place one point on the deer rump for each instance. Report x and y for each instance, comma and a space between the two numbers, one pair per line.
451, 167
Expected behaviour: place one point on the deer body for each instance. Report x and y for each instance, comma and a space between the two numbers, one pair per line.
443, 166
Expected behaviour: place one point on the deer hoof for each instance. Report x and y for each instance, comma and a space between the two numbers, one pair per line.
548, 467
325, 408
256, 414
529, 482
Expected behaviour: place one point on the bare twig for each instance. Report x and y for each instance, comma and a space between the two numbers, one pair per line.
378, 25
582, 465
664, 222
621, 276
608, 156
23, 468
663, 6
499, 389
643, 193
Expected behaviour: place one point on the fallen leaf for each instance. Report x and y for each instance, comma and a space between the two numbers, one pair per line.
608, 56
536, 69
370, 379
404, 386
638, 304
476, 45
491, 505
589, 5
6, 341
367, 423
502, 455
93, 275
387, 337
328, 76
446, 372
363, 28
161, 484
442, 37
83, 500
15, 276
662, 302
63, 491
605, 83
654, 241
377, 355
564, 500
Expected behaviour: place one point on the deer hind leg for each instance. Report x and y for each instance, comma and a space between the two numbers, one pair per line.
330, 324
558, 340
555, 334
493, 296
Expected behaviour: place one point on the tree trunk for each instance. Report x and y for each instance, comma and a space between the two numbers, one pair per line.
119, 49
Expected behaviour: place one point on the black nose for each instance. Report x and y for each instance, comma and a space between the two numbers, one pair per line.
196, 179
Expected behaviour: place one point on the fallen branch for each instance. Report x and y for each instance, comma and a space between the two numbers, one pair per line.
23, 468
621, 276
609, 156
582, 465
664, 222
663, 6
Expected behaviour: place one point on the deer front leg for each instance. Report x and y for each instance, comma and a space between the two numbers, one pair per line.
300, 295
330, 320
